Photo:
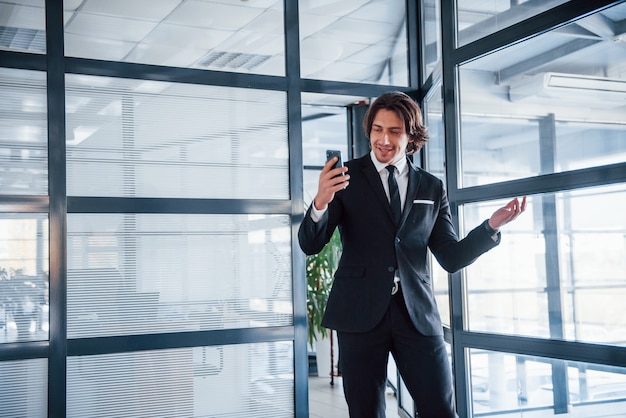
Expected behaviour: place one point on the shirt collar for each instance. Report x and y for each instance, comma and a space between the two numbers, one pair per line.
400, 165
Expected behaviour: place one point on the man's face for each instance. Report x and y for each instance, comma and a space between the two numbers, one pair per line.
388, 138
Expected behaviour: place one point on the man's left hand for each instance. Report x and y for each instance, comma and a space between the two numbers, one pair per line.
507, 213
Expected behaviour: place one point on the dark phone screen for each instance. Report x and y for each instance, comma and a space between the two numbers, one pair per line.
332, 153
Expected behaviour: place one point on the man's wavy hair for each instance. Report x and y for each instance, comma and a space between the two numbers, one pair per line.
406, 108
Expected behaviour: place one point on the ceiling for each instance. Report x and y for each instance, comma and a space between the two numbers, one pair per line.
341, 40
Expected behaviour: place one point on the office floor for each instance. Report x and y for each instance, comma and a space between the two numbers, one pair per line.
326, 401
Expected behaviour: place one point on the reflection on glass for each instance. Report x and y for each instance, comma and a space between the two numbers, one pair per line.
550, 104
355, 41
559, 272
23, 132
245, 37
24, 304
476, 19
23, 26
515, 383
213, 381
431, 36
149, 273
133, 138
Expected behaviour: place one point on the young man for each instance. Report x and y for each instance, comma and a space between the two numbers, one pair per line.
389, 212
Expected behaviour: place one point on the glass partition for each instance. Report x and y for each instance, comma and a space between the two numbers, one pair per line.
245, 37
23, 132
559, 272
550, 104
24, 282
150, 273
211, 381
24, 388
131, 138
324, 126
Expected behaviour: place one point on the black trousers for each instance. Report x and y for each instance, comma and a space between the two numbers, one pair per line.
422, 362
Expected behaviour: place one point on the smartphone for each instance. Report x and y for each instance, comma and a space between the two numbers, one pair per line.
335, 153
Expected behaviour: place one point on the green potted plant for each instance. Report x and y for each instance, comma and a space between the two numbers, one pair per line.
319, 275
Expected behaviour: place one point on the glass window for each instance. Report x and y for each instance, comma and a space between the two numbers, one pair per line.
431, 37
245, 37
559, 272
24, 388
550, 104
133, 274
514, 383
23, 132
24, 304
354, 41
324, 126
132, 138
23, 26
212, 381
476, 19
434, 153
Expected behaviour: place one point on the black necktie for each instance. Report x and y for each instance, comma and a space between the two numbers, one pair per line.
394, 195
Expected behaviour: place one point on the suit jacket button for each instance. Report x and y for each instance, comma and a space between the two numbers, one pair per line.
397, 240
391, 269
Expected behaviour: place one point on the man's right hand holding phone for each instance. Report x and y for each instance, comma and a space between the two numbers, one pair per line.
330, 182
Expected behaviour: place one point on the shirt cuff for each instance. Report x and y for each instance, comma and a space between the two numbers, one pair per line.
316, 214
492, 232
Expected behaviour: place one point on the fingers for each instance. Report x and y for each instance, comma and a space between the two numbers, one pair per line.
519, 208
328, 168
507, 213
514, 209
330, 182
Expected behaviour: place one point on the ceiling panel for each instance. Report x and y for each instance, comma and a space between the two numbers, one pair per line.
213, 15
136, 9
108, 27
24, 17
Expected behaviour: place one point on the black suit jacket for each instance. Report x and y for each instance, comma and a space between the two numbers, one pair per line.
373, 248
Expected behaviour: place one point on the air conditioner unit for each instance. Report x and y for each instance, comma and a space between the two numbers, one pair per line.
571, 87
